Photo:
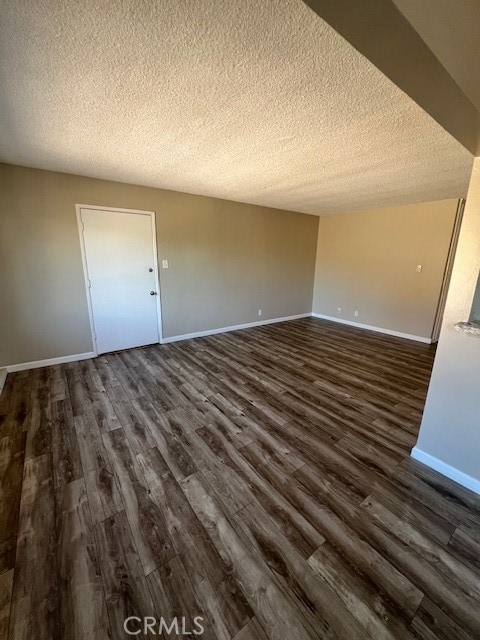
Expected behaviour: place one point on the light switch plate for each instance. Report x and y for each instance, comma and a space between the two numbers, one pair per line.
164, 264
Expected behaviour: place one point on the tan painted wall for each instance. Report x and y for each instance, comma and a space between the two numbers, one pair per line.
367, 262
226, 261
452, 31
450, 430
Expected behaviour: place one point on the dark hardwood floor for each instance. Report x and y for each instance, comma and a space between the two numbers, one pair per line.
259, 479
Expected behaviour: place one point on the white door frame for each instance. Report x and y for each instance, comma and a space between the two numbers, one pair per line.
91, 207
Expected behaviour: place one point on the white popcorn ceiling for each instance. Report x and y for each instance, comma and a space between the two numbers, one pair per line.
258, 101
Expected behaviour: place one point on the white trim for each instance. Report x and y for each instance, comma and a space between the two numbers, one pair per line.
447, 470
36, 364
236, 327
3, 377
78, 209
113, 209
157, 277
369, 327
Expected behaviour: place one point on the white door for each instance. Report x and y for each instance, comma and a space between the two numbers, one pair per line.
122, 277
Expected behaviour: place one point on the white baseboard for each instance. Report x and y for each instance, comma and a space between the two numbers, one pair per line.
236, 327
3, 377
369, 327
210, 332
22, 366
36, 364
447, 470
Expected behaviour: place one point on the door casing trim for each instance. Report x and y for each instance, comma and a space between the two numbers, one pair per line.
151, 214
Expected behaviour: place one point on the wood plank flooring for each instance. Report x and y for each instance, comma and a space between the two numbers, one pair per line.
259, 479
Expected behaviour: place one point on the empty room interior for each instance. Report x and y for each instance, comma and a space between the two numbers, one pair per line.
240, 319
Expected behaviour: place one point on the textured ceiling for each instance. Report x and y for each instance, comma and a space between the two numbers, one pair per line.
249, 100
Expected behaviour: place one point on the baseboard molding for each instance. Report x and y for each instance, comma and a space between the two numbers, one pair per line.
236, 327
22, 366
3, 377
210, 332
36, 364
369, 327
447, 470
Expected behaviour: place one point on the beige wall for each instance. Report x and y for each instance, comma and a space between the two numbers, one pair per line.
367, 262
449, 438
452, 31
226, 260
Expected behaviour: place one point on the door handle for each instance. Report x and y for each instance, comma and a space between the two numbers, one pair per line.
153, 293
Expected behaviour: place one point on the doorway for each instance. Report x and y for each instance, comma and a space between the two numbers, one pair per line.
121, 276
